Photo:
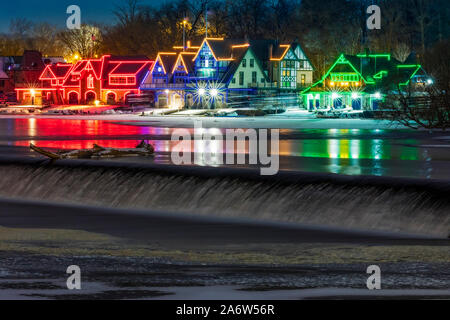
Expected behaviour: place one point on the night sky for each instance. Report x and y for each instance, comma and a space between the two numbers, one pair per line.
54, 11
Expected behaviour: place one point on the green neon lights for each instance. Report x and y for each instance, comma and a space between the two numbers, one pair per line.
408, 65
380, 74
377, 55
418, 67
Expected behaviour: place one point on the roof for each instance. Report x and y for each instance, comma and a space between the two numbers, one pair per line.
167, 60
186, 60
267, 50
55, 71
221, 48
238, 54
126, 68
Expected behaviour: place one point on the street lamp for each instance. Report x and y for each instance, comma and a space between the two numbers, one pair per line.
377, 95
201, 92
184, 33
213, 92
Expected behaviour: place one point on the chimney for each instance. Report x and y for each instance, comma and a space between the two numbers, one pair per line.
270, 51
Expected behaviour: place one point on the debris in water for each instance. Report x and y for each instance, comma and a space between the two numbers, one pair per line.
142, 149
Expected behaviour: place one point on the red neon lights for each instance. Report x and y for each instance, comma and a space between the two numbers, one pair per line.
70, 76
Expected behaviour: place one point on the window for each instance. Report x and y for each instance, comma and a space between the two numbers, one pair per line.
263, 80
303, 78
241, 78
348, 77
2, 83
254, 77
121, 80
244, 63
90, 82
252, 63
233, 81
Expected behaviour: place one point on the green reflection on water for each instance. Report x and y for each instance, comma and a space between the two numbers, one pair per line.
367, 148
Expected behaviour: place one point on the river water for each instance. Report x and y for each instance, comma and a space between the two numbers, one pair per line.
379, 152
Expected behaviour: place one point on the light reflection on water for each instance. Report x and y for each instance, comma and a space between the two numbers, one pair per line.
333, 150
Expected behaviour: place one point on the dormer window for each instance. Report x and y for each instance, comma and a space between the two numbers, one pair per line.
121, 80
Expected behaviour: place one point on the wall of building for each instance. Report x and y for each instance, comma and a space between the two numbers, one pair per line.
247, 73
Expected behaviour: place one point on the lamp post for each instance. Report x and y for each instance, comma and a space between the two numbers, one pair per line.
184, 34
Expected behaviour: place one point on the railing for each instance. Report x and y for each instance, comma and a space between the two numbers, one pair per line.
163, 86
266, 85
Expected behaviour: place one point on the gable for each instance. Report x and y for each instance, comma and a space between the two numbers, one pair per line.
305, 64
47, 74
290, 55
179, 65
158, 67
205, 53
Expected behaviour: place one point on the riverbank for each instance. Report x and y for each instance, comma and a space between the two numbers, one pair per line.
148, 255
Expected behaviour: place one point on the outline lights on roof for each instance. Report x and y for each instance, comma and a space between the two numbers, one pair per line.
287, 47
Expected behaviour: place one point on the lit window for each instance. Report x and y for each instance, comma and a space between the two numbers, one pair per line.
90, 81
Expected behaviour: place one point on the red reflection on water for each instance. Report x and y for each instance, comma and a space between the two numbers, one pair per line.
82, 134
85, 128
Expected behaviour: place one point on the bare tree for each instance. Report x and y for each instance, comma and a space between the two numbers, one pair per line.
401, 52
84, 41
20, 27
427, 104
429, 110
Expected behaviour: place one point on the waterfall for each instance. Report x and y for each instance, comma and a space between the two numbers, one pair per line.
350, 202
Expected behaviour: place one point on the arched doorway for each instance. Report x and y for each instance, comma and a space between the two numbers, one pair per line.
73, 97
163, 100
111, 98
176, 101
189, 100
90, 97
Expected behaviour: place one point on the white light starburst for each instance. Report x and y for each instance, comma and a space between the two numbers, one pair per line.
207, 92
